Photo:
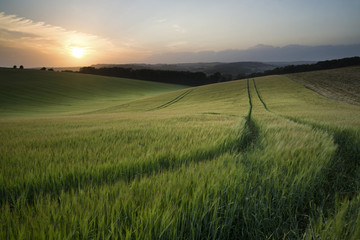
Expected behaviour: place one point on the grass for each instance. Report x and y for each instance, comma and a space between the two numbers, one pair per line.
284, 96
340, 84
209, 162
33, 92
343, 175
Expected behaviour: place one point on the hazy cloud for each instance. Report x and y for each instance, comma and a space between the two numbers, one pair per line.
178, 28
261, 53
40, 34
177, 45
161, 20
7, 34
20, 33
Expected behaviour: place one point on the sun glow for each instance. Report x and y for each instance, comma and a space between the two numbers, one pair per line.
78, 52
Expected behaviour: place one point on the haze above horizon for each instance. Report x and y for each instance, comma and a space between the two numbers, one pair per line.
74, 33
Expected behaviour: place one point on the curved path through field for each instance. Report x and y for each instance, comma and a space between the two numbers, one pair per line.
336, 178
173, 101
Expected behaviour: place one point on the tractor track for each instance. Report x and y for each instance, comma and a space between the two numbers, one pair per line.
345, 161
128, 172
173, 101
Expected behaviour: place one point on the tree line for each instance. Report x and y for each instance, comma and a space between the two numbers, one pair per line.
164, 76
322, 65
200, 78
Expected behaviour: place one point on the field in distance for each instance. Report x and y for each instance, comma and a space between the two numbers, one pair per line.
88, 157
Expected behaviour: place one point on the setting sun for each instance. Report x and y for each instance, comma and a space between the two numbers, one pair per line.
77, 52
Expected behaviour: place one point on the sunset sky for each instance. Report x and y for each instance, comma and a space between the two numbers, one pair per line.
84, 32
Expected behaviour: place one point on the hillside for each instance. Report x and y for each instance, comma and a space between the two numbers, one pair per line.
342, 84
262, 158
43, 92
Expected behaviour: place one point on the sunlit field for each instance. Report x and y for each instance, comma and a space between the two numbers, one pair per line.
90, 157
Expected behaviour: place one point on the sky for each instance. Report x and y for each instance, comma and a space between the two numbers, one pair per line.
85, 32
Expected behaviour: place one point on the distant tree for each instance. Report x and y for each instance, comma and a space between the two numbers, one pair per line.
216, 77
241, 76
14, 67
43, 69
227, 77
51, 69
21, 67
322, 65
167, 76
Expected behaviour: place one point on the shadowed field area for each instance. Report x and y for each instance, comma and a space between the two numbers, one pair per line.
33, 92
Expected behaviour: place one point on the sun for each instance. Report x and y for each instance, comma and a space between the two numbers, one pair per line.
78, 52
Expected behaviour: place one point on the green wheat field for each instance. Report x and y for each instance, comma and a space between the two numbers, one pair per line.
91, 157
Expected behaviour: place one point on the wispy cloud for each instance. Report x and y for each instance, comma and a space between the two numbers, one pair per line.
160, 20
178, 28
21, 33
177, 45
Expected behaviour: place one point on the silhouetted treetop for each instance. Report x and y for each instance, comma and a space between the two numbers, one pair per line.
322, 65
200, 78
165, 76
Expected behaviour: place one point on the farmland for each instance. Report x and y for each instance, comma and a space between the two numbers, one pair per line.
30, 92
336, 83
89, 157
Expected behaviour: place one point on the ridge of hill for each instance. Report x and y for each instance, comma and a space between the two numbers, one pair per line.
233, 68
251, 159
43, 92
342, 84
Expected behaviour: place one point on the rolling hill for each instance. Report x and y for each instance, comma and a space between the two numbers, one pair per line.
262, 158
342, 84
42, 92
